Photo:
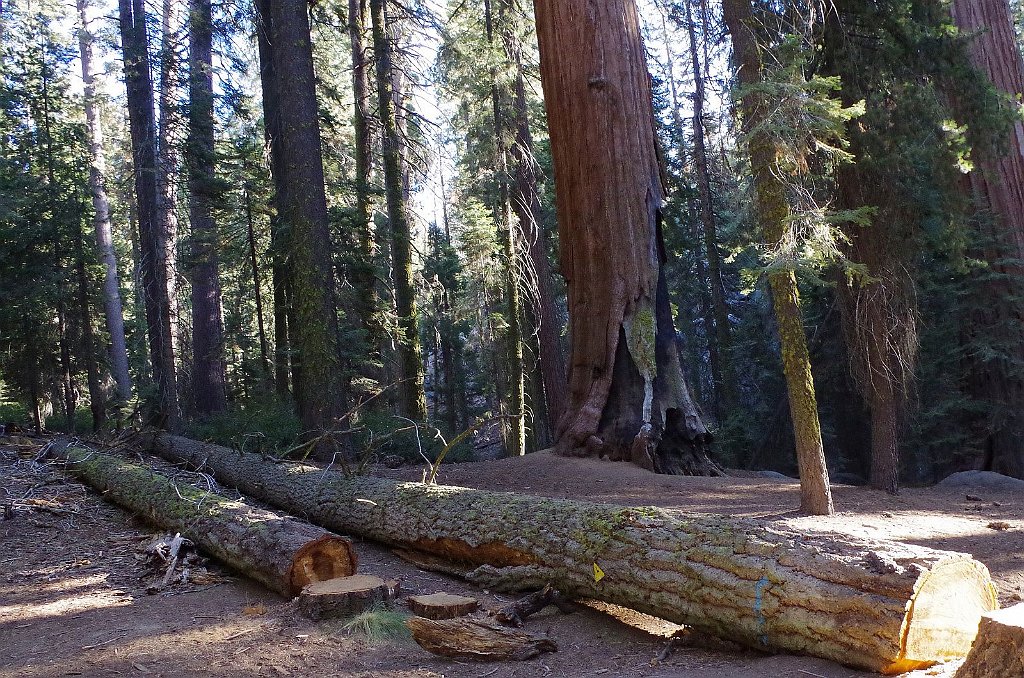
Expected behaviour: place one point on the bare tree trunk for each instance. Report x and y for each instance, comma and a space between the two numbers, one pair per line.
628, 398
278, 229
772, 209
303, 208
101, 220
168, 161
257, 288
97, 398
208, 387
135, 43
412, 398
526, 205
724, 387
998, 187
365, 279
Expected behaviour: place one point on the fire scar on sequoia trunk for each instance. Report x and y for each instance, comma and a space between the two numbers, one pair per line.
627, 396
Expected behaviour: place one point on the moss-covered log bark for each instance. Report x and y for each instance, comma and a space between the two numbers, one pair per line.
883, 606
279, 551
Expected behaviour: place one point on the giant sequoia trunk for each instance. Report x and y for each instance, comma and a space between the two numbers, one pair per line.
883, 606
135, 45
208, 386
998, 186
302, 205
627, 395
773, 212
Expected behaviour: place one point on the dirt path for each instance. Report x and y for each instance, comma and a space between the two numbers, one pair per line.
72, 602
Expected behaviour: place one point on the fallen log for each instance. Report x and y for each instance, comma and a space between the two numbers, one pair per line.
476, 639
998, 651
883, 606
278, 551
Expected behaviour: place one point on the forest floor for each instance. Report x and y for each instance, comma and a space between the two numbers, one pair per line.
73, 598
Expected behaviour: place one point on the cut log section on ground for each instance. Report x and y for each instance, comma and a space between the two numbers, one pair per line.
345, 596
998, 651
442, 605
278, 551
476, 639
883, 606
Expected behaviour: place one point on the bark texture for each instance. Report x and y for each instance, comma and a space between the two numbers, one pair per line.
773, 210
998, 186
135, 46
999, 650
882, 606
208, 379
281, 552
628, 398
411, 395
477, 639
113, 311
302, 207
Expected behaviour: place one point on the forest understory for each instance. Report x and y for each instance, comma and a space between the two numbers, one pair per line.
73, 593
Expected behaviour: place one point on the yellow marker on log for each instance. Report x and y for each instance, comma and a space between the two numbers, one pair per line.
598, 573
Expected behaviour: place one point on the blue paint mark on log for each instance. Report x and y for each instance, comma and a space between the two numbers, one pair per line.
762, 584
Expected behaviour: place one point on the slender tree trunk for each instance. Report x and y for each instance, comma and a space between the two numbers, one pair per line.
772, 209
97, 398
257, 288
67, 373
278, 229
526, 205
168, 160
997, 185
113, 310
208, 387
724, 387
412, 398
303, 208
514, 337
364, 278
628, 398
135, 43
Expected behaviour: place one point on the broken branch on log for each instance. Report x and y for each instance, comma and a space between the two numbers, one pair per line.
513, 614
279, 551
739, 579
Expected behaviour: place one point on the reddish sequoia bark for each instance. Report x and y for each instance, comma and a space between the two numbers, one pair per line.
998, 185
627, 395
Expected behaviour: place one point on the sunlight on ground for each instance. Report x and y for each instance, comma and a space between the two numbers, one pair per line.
899, 525
88, 600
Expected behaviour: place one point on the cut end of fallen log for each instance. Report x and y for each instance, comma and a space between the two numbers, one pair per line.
999, 649
345, 596
443, 605
475, 639
326, 558
942, 617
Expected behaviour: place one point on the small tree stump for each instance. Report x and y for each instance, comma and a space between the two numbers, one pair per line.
998, 651
345, 596
442, 605
475, 639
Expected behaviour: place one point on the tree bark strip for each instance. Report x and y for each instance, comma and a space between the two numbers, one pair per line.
883, 606
278, 551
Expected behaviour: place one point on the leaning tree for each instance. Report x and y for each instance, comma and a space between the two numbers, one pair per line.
628, 399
